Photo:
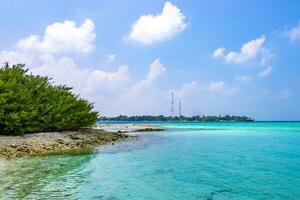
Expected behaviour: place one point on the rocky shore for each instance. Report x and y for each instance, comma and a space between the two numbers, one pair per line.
85, 140
125, 128
57, 142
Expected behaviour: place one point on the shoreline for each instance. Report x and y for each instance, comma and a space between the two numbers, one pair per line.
57, 142
81, 141
127, 128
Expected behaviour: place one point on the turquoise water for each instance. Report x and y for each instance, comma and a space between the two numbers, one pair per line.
208, 161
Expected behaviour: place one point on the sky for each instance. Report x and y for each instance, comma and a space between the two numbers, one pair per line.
127, 57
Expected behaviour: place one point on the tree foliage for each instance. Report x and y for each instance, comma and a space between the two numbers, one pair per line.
30, 103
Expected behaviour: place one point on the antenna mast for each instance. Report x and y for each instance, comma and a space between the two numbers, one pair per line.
172, 105
179, 105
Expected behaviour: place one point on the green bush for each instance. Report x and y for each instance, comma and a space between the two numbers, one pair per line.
30, 104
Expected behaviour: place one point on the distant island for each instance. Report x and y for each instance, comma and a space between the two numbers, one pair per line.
197, 118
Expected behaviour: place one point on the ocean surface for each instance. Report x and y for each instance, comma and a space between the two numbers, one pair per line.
209, 161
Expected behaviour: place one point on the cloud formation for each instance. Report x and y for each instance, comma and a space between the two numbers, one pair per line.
113, 91
16, 57
249, 51
294, 33
156, 70
243, 78
265, 72
186, 89
110, 58
215, 86
219, 87
84, 81
99, 79
153, 28
109, 89
62, 37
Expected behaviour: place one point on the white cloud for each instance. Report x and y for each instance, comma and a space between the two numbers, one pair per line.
99, 79
220, 87
141, 97
294, 33
152, 28
110, 58
267, 71
110, 90
62, 71
215, 86
186, 89
62, 37
285, 94
219, 52
243, 78
156, 69
15, 57
120, 75
84, 81
250, 51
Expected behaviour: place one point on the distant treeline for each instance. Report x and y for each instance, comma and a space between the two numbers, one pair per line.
203, 118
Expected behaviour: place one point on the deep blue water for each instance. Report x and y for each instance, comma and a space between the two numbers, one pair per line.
188, 161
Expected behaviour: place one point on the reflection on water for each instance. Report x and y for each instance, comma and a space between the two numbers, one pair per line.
47, 177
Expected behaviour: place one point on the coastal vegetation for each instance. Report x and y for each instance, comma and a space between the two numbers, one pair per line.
197, 118
30, 104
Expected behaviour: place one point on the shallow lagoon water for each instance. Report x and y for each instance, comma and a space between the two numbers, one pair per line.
188, 161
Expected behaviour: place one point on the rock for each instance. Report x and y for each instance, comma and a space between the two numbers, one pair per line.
149, 129
60, 141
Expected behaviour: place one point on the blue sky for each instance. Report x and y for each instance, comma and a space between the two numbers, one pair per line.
218, 57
